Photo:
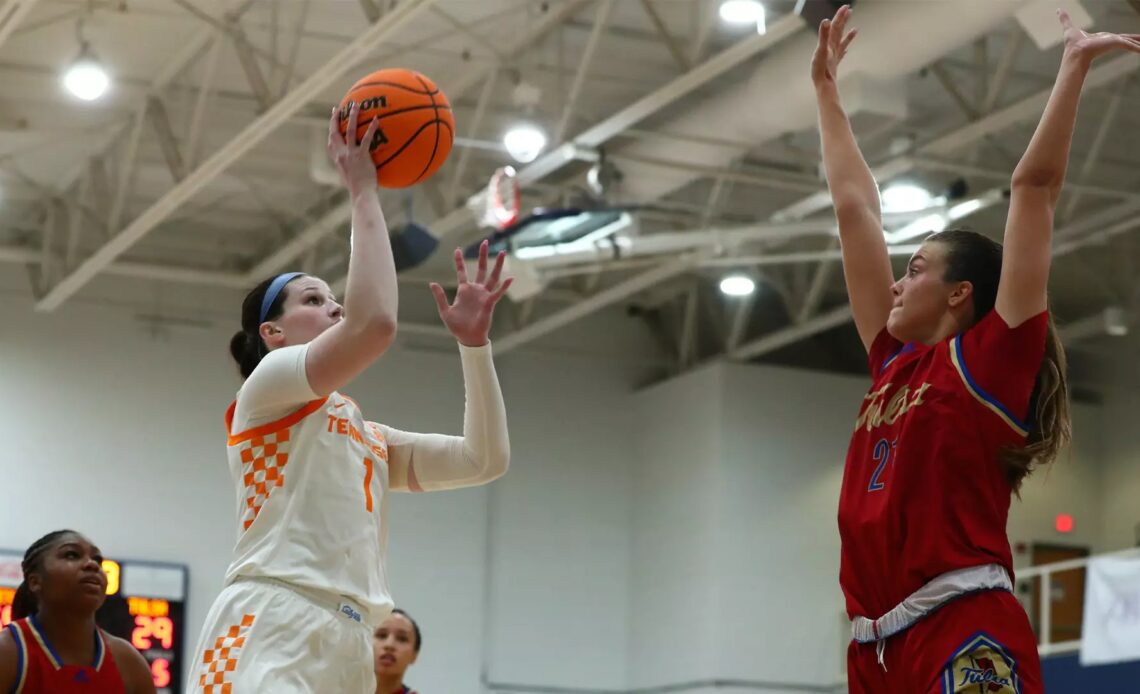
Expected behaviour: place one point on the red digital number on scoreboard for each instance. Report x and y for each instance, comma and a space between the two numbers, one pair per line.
148, 628
160, 670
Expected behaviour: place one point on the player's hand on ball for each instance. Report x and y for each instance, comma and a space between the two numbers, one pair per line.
353, 160
468, 318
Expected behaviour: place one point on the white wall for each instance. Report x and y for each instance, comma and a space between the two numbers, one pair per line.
677, 482
1121, 481
1072, 484
561, 527
786, 435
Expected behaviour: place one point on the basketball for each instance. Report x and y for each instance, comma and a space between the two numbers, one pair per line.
416, 127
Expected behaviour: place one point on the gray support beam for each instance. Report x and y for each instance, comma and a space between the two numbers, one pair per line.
601, 20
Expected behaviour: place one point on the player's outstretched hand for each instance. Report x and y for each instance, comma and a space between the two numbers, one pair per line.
468, 318
834, 40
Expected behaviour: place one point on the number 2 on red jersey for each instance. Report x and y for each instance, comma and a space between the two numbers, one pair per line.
882, 455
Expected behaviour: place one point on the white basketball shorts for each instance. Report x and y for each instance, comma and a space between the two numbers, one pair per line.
263, 636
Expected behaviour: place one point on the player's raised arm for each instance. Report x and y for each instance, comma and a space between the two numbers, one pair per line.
1040, 174
340, 353
422, 462
854, 193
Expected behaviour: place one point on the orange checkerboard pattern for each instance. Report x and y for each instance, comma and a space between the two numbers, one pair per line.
222, 659
263, 460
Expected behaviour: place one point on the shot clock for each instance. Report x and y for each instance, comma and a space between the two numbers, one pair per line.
146, 605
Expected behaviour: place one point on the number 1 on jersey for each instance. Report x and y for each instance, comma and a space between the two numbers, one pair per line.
882, 454
368, 484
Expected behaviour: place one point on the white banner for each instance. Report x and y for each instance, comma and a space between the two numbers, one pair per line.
1111, 631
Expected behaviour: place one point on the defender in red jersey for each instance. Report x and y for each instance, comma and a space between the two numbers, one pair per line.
53, 645
968, 396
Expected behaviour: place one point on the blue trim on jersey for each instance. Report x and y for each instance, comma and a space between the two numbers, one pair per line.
100, 652
57, 662
905, 349
901, 350
983, 395
21, 658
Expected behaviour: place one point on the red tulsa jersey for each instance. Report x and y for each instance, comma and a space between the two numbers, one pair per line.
39, 669
924, 491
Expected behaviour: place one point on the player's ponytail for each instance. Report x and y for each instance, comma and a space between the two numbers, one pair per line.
24, 603
972, 257
1051, 422
246, 346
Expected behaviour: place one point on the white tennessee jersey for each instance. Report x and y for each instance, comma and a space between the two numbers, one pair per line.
312, 476
312, 488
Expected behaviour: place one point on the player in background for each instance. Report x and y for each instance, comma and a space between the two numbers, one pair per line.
396, 642
52, 645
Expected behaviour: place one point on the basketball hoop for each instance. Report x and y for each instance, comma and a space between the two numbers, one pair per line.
502, 199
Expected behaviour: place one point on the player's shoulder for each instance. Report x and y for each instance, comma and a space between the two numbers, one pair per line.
8, 638
132, 666
9, 659
122, 649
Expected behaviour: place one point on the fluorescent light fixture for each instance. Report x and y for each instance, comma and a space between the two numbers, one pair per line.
742, 12
1115, 321
86, 78
905, 197
524, 142
929, 224
963, 209
584, 243
737, 285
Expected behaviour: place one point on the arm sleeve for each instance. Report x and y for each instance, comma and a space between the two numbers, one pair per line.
999, 364
883, 350
276, 387
430, 462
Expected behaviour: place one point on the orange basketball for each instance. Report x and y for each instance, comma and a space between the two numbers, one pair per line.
416, 129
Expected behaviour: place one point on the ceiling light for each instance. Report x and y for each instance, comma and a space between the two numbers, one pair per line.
1115, 321
86, 78
930, 224
524, 143
742, 12
964, 209
737, 285
905, 197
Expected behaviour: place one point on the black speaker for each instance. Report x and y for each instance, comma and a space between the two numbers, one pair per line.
411, 246
815, 11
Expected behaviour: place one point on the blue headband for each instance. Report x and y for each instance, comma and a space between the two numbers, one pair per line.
274, 290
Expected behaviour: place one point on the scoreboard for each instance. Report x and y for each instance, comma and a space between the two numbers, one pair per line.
146, 605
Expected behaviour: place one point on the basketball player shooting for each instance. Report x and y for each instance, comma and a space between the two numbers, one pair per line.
968, 397
308, 581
